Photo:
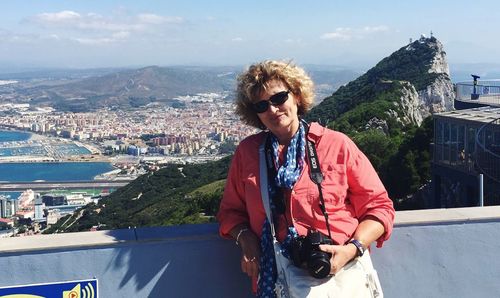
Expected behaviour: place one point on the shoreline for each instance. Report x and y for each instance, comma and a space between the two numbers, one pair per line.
47, 159
37, 137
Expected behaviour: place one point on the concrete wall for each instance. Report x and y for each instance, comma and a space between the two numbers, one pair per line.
432, 253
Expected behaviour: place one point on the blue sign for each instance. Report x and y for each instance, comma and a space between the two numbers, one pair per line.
67, 289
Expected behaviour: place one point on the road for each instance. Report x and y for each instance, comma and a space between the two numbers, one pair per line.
21, 186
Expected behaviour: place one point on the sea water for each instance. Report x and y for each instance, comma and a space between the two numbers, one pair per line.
47, 171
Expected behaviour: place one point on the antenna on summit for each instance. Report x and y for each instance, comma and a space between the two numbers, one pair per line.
431, 34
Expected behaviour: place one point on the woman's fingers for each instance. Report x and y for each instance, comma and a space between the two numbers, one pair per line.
341, 255
250, 266
250, 246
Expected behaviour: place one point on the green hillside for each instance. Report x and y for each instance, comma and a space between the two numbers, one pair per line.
174, 195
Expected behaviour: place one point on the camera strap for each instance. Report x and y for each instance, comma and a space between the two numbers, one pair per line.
315, 174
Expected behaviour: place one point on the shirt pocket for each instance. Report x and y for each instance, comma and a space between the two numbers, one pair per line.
334, 188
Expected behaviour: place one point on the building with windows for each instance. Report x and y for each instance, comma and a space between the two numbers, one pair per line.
8, 206
466, 150
54, 200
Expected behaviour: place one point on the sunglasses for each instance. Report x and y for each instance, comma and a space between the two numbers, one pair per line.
275, 100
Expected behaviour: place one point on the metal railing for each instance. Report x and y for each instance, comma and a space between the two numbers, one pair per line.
487, 92
487, 153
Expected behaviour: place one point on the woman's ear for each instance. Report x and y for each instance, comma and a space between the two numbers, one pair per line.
298, 100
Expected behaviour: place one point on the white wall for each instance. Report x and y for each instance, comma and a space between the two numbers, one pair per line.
432, 253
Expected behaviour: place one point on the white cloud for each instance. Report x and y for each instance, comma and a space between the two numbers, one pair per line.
295, 41
376, 29
53, 36
237, 39
148, 18
345, 34
94, 41
338, 34
71, 20
121, 35
113, 38
58, 17
93, 28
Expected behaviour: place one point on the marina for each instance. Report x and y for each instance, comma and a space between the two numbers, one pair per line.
15, 147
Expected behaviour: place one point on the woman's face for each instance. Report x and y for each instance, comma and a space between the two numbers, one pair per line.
281, 120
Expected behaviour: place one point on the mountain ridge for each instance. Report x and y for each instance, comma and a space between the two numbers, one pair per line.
87, 90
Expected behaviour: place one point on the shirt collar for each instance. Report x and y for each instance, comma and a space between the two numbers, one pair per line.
316, 131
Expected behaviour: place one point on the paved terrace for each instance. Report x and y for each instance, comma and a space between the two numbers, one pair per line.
432, 253
485, 93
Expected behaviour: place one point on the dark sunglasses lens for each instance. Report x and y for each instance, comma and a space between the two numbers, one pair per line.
279, 98
261, 106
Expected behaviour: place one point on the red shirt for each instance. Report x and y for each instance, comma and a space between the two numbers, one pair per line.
351, 189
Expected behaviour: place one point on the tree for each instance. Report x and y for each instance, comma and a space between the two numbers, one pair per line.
377, 146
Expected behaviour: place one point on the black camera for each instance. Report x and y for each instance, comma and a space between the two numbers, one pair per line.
305, 250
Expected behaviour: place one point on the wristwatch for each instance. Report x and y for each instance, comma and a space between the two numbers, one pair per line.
359, 246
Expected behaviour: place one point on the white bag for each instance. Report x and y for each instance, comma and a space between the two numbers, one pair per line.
358, 278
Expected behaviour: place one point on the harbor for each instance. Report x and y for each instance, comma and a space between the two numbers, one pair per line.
40, 148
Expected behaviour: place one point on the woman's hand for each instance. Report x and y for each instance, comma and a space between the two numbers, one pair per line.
250, 247
341, 255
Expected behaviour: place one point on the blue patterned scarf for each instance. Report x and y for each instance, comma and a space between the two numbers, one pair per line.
287, 174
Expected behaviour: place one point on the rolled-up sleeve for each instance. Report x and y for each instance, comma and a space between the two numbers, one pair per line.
366, 192
233, 211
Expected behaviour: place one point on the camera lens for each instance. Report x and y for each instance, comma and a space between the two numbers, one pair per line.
319, 264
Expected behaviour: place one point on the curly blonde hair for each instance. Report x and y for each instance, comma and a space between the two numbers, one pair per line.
255, 79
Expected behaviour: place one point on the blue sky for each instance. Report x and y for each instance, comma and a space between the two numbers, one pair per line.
98, 33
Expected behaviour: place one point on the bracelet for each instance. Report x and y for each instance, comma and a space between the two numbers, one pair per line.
239, 234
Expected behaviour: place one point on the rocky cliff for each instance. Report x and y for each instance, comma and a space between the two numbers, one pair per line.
415, 79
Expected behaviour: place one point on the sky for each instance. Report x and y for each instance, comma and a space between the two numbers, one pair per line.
99, 33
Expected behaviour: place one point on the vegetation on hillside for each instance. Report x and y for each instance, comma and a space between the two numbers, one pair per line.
402, 162
174, 195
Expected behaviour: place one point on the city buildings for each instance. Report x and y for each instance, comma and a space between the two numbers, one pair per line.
204, 122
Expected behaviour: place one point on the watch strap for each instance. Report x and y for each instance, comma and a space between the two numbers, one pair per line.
359, 246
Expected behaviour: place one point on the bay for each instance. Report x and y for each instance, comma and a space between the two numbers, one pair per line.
9, 136
52, 171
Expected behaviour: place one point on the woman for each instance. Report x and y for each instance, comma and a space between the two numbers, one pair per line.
272, 96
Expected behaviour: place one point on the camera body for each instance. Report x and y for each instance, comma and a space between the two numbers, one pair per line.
305, 250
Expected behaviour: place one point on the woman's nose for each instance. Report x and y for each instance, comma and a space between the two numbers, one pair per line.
273, 109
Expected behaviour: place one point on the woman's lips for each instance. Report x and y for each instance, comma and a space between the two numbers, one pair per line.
276, 118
